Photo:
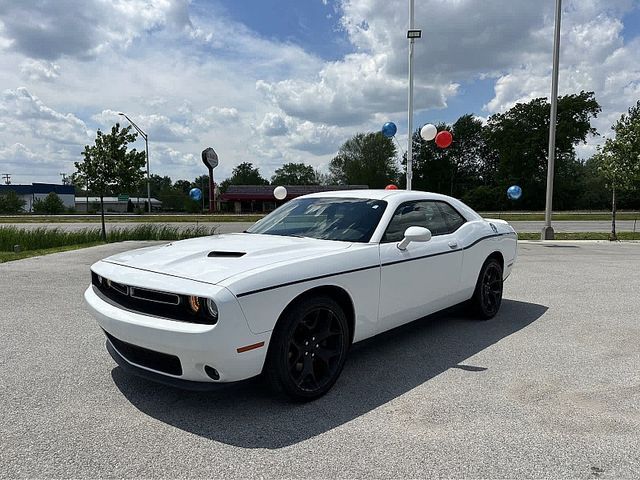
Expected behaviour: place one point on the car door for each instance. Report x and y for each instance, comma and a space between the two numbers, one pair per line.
425, 277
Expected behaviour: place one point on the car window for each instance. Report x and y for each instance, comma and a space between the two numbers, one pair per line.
451, 216
344, 219
421, 213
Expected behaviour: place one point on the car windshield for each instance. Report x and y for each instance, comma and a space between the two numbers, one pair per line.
344, 219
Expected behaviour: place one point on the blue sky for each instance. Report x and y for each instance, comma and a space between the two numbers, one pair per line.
286, 81
313, 25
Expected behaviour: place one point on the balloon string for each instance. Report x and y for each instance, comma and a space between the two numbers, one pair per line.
399, 146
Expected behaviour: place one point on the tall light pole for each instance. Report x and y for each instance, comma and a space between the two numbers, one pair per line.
547, 231
146, 145
412, 34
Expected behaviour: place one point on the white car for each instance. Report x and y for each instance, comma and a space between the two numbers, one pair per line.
289, 296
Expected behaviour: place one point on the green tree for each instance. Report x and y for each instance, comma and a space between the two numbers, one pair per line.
108, 165
294, 174
366, 159
159, 184
517, 142
10, 202
183, 186
243, 174
455, 170
51, 205
619, 159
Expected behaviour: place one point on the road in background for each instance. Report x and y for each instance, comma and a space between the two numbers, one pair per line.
229, 227
547, 389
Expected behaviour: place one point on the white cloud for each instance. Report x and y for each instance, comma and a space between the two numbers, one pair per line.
38, 70
24, 113
272, 125
50, 29
594, 57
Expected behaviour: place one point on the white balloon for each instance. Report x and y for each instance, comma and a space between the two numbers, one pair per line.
428, 132
280, 193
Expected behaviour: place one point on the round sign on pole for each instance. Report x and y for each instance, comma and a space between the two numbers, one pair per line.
210, 158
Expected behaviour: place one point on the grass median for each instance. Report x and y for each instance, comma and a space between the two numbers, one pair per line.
42, 241
622, 236
122, 218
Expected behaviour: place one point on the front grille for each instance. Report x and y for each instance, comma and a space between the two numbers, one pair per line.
161, 362
153, 302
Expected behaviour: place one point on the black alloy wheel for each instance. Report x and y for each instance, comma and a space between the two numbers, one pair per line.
308, 349
487, 297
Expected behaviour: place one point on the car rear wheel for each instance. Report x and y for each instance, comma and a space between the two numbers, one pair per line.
308, 349
487, 296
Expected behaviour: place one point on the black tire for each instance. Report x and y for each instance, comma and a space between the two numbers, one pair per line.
308, 349
487, 296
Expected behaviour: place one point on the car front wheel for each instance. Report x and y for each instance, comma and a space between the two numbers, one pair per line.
308, 349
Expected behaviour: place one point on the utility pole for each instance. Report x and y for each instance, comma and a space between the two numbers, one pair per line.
547, 231
7, 178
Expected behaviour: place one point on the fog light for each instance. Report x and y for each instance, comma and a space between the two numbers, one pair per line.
194, 303
212, 372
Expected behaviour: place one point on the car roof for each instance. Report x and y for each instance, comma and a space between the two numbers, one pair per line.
396, 197
399, 195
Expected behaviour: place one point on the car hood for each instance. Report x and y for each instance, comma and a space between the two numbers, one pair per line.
218, 257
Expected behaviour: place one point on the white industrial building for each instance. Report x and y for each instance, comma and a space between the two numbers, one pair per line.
116, 204
39, 191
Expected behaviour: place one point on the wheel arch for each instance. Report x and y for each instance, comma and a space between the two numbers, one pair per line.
498, 256
339, 294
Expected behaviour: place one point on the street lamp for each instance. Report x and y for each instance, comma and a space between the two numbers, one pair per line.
547, 231
412, 34
146, 144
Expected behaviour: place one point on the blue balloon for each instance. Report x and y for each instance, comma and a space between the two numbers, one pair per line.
514, 192
195, 194
389, 129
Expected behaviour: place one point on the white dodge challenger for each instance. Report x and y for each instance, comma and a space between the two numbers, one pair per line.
289, 296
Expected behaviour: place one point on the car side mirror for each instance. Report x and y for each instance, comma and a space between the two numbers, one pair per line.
414, 234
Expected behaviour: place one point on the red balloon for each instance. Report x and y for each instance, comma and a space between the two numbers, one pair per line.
391, 187
444, 139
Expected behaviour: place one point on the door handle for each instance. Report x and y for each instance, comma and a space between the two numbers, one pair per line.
453, 244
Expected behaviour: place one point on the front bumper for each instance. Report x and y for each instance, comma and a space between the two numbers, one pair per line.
195, 345
161, 378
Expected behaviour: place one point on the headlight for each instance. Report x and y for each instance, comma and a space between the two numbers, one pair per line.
194, 304
213, 309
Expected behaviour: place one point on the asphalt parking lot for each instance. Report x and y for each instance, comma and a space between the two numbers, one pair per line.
549, 388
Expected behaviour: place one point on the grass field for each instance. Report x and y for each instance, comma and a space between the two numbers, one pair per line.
28, 218
41, 241
623, 236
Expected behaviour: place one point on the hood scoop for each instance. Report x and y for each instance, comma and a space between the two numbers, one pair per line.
220, 254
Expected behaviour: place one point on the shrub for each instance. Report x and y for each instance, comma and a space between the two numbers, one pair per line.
10, 202
51, 205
